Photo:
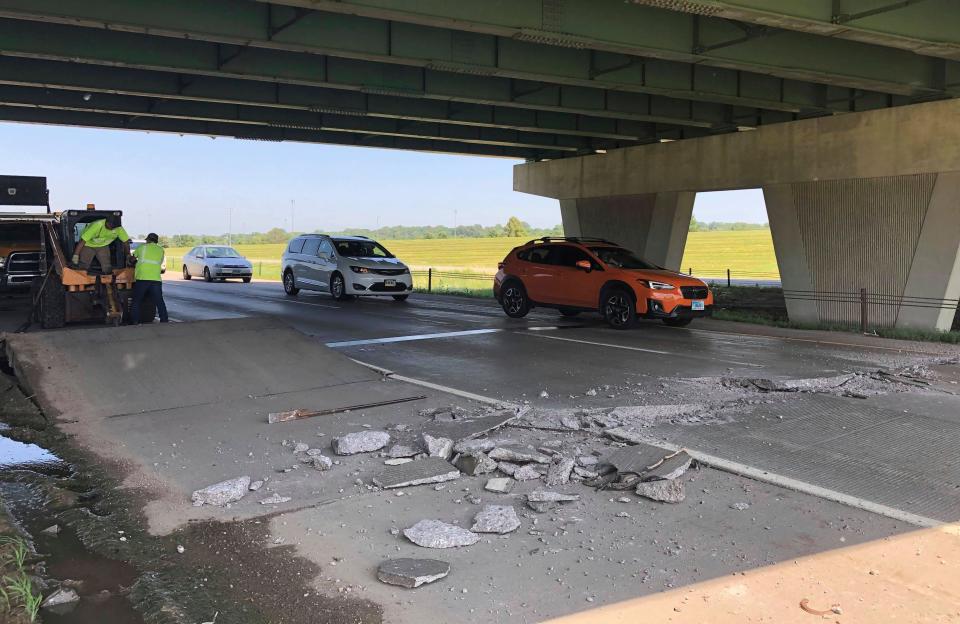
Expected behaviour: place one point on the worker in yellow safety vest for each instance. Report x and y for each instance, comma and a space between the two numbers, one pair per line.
95, 243
148, 278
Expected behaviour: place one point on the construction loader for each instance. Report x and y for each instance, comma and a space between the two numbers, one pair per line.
62, 293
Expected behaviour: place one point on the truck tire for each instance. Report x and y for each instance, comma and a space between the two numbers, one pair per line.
53, 304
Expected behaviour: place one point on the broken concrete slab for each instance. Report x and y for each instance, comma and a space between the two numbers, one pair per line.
482, 445
559, 471
496, 519
508, 467
528, 472
499, 485
622, 434
518, 454
360, 442
417, 472
474, 465
220, 494
437, 447
465, 429
396, 461
322, 462
437, 534
637, 459
547, 496
671, 467
664, 491
412, 573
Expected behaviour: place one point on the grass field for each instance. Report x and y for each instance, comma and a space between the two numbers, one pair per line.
464, 264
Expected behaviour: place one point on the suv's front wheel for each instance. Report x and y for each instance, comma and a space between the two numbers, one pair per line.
514, 300
289, 284
618, 309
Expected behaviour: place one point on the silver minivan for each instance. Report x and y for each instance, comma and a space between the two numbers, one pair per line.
345, 267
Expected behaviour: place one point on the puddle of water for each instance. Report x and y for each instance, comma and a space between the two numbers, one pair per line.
15, 454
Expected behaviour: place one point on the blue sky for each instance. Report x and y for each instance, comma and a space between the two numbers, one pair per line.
179, 184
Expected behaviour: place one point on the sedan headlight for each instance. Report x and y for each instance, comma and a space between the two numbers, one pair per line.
359, 269
658, 285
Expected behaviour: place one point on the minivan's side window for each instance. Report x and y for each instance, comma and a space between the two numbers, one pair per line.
326, 249
310, 246
295, 245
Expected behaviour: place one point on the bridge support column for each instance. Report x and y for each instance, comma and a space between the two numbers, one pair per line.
898, 237
653, 225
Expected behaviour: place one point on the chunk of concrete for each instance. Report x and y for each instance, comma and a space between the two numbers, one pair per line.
220, 494
499, 485
418, 472
621, 434
256, 485
360, 442
570, 421
402, 450
496, 519
664, 491
526, 473
437, 534
546, 496
672, 467
507, 467
300, 447
411, 573
518, 454
474, 465
483, 445
322, 462
559, 472
275, 499
436, 446
396, 461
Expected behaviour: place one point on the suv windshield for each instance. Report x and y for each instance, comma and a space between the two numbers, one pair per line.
222, 252
361, 249
621, 258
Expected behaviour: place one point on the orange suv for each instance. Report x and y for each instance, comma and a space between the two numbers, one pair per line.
578, 274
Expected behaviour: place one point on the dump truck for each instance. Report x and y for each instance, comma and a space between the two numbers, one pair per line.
37, 249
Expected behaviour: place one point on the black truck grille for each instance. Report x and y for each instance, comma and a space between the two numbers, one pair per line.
25, 262
694, 292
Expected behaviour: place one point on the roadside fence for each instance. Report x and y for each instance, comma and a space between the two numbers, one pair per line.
870, 309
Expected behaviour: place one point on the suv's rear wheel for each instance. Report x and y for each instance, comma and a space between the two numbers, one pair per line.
514, 300
289, 284
678, 322
338, 287
618, 310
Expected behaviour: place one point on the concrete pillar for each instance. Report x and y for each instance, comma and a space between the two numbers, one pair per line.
896, 236
653, 225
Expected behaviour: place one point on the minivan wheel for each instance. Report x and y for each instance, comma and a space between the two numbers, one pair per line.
338, 287
289, 285
618, 309
186, 273
514, 300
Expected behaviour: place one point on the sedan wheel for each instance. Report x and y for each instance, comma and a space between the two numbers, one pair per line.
618, 309
206, 274
186, 273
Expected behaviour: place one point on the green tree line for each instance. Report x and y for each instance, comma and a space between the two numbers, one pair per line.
723, 226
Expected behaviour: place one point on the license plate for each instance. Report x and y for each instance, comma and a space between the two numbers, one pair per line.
389, 283
697, 305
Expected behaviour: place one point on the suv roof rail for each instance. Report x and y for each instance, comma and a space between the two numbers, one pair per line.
570, 239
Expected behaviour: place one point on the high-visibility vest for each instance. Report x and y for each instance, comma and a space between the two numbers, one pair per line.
149, 260
97, 235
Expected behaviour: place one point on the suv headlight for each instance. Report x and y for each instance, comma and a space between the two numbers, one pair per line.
359, 269
658, 285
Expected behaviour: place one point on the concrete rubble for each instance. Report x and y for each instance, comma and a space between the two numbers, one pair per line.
663, 491
437, 534
496, 519
499, 485
474, 465
360, 442
546, 496
528, 472
223, 493
518, 454
559, 471
437, 447
402, 450
412, 573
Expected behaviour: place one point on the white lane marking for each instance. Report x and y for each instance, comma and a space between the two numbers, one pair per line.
599, 344
759, 474
629, 348
468, 332
433, 386
725, 465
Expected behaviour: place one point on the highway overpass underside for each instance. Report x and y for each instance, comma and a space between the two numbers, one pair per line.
860, 201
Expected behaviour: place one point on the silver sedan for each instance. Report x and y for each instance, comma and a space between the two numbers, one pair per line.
216, 262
